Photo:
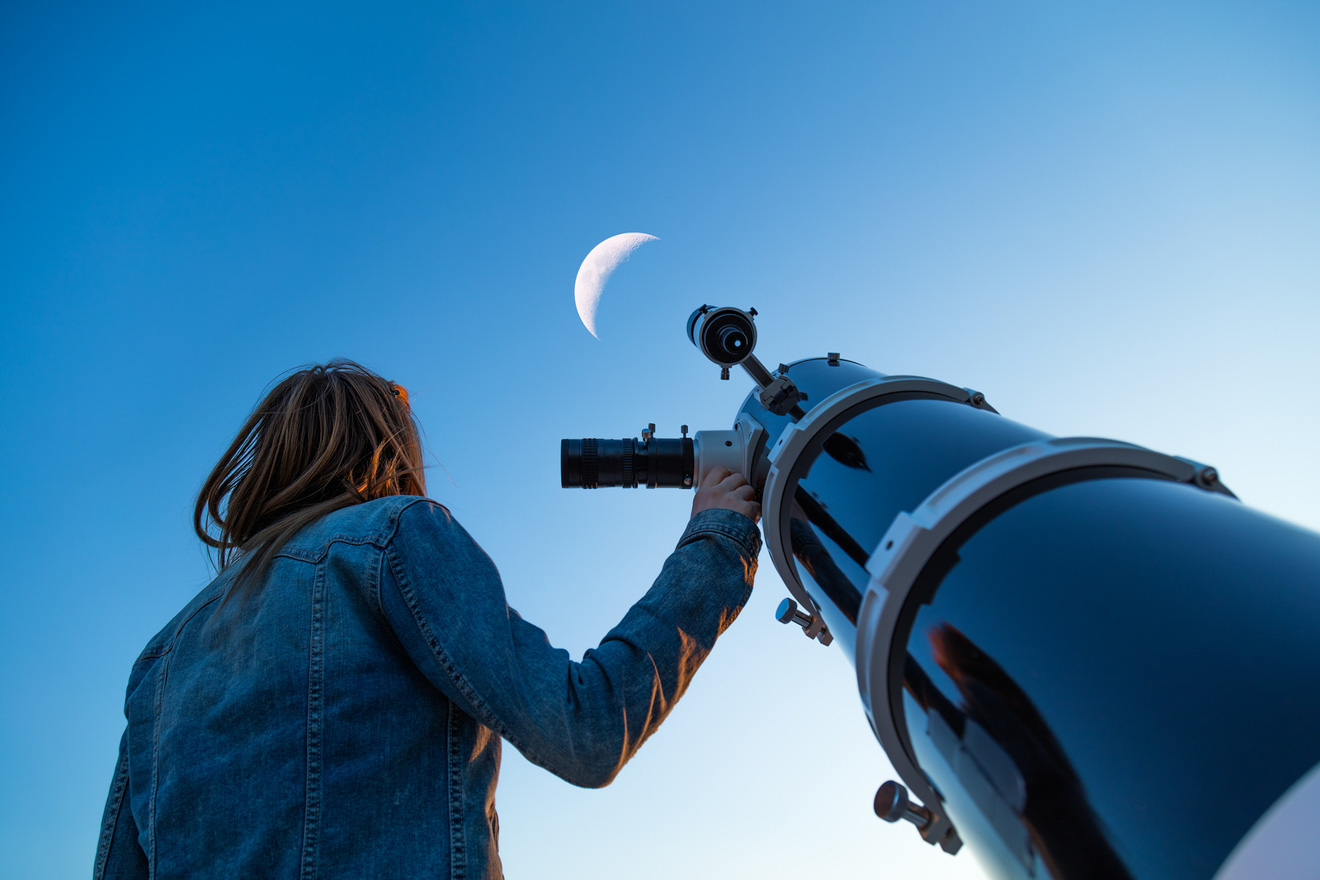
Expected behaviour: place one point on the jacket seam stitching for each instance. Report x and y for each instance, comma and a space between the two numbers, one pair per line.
162, 678
379, 539
149, 653
457, 830
315, 683
722, 531
375, 576
108, 829
320, 552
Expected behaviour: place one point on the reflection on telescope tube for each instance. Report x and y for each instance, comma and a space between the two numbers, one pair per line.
817, 562
1044, 789
1139, 653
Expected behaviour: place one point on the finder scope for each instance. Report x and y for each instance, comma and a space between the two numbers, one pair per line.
653, 462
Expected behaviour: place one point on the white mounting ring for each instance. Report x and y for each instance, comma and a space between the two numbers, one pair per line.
795, 438
913, 538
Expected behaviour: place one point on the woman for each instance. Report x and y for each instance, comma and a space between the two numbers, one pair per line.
332, 704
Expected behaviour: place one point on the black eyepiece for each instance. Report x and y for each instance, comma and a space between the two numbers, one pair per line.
725, 335
732, 339
659, 462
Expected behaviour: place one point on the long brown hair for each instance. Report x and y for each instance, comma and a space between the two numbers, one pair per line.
326, 437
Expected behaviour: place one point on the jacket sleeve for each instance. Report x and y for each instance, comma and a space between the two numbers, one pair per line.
118, 854
581, 720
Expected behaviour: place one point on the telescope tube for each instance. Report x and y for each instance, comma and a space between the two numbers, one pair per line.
1088, 658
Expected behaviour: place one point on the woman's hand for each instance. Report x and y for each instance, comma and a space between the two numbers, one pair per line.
721, 488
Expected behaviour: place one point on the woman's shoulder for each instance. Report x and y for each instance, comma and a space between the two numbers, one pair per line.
395, 521
376, 521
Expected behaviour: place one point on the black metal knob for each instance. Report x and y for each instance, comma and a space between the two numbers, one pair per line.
892, 803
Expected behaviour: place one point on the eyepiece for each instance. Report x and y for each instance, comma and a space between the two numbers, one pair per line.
732, 339
657, 462
725, 335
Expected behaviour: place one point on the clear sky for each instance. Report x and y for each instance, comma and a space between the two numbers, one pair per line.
1105, 216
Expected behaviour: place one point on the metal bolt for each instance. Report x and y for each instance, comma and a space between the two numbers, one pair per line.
892, 803
978, 399
788, 612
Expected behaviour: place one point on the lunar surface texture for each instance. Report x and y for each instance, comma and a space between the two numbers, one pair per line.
596, 270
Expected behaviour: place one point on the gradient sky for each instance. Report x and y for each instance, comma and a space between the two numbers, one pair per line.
1104, 216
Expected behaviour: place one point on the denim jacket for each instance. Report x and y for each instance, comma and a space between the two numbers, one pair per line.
344, 719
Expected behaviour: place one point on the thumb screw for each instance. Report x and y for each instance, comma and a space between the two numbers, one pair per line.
892, 803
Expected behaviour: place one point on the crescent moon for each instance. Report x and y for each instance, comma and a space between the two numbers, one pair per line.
596, 270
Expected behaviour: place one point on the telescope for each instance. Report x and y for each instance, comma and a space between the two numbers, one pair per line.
1085, 658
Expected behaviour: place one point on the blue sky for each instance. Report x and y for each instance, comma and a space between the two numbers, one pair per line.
1104, 216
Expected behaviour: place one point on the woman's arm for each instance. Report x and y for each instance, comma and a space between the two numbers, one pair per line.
580, 720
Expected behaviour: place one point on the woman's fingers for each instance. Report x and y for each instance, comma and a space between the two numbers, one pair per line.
722, 488
714, 476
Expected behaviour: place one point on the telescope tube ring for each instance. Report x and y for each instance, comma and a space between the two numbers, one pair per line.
775, 496
913, 538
